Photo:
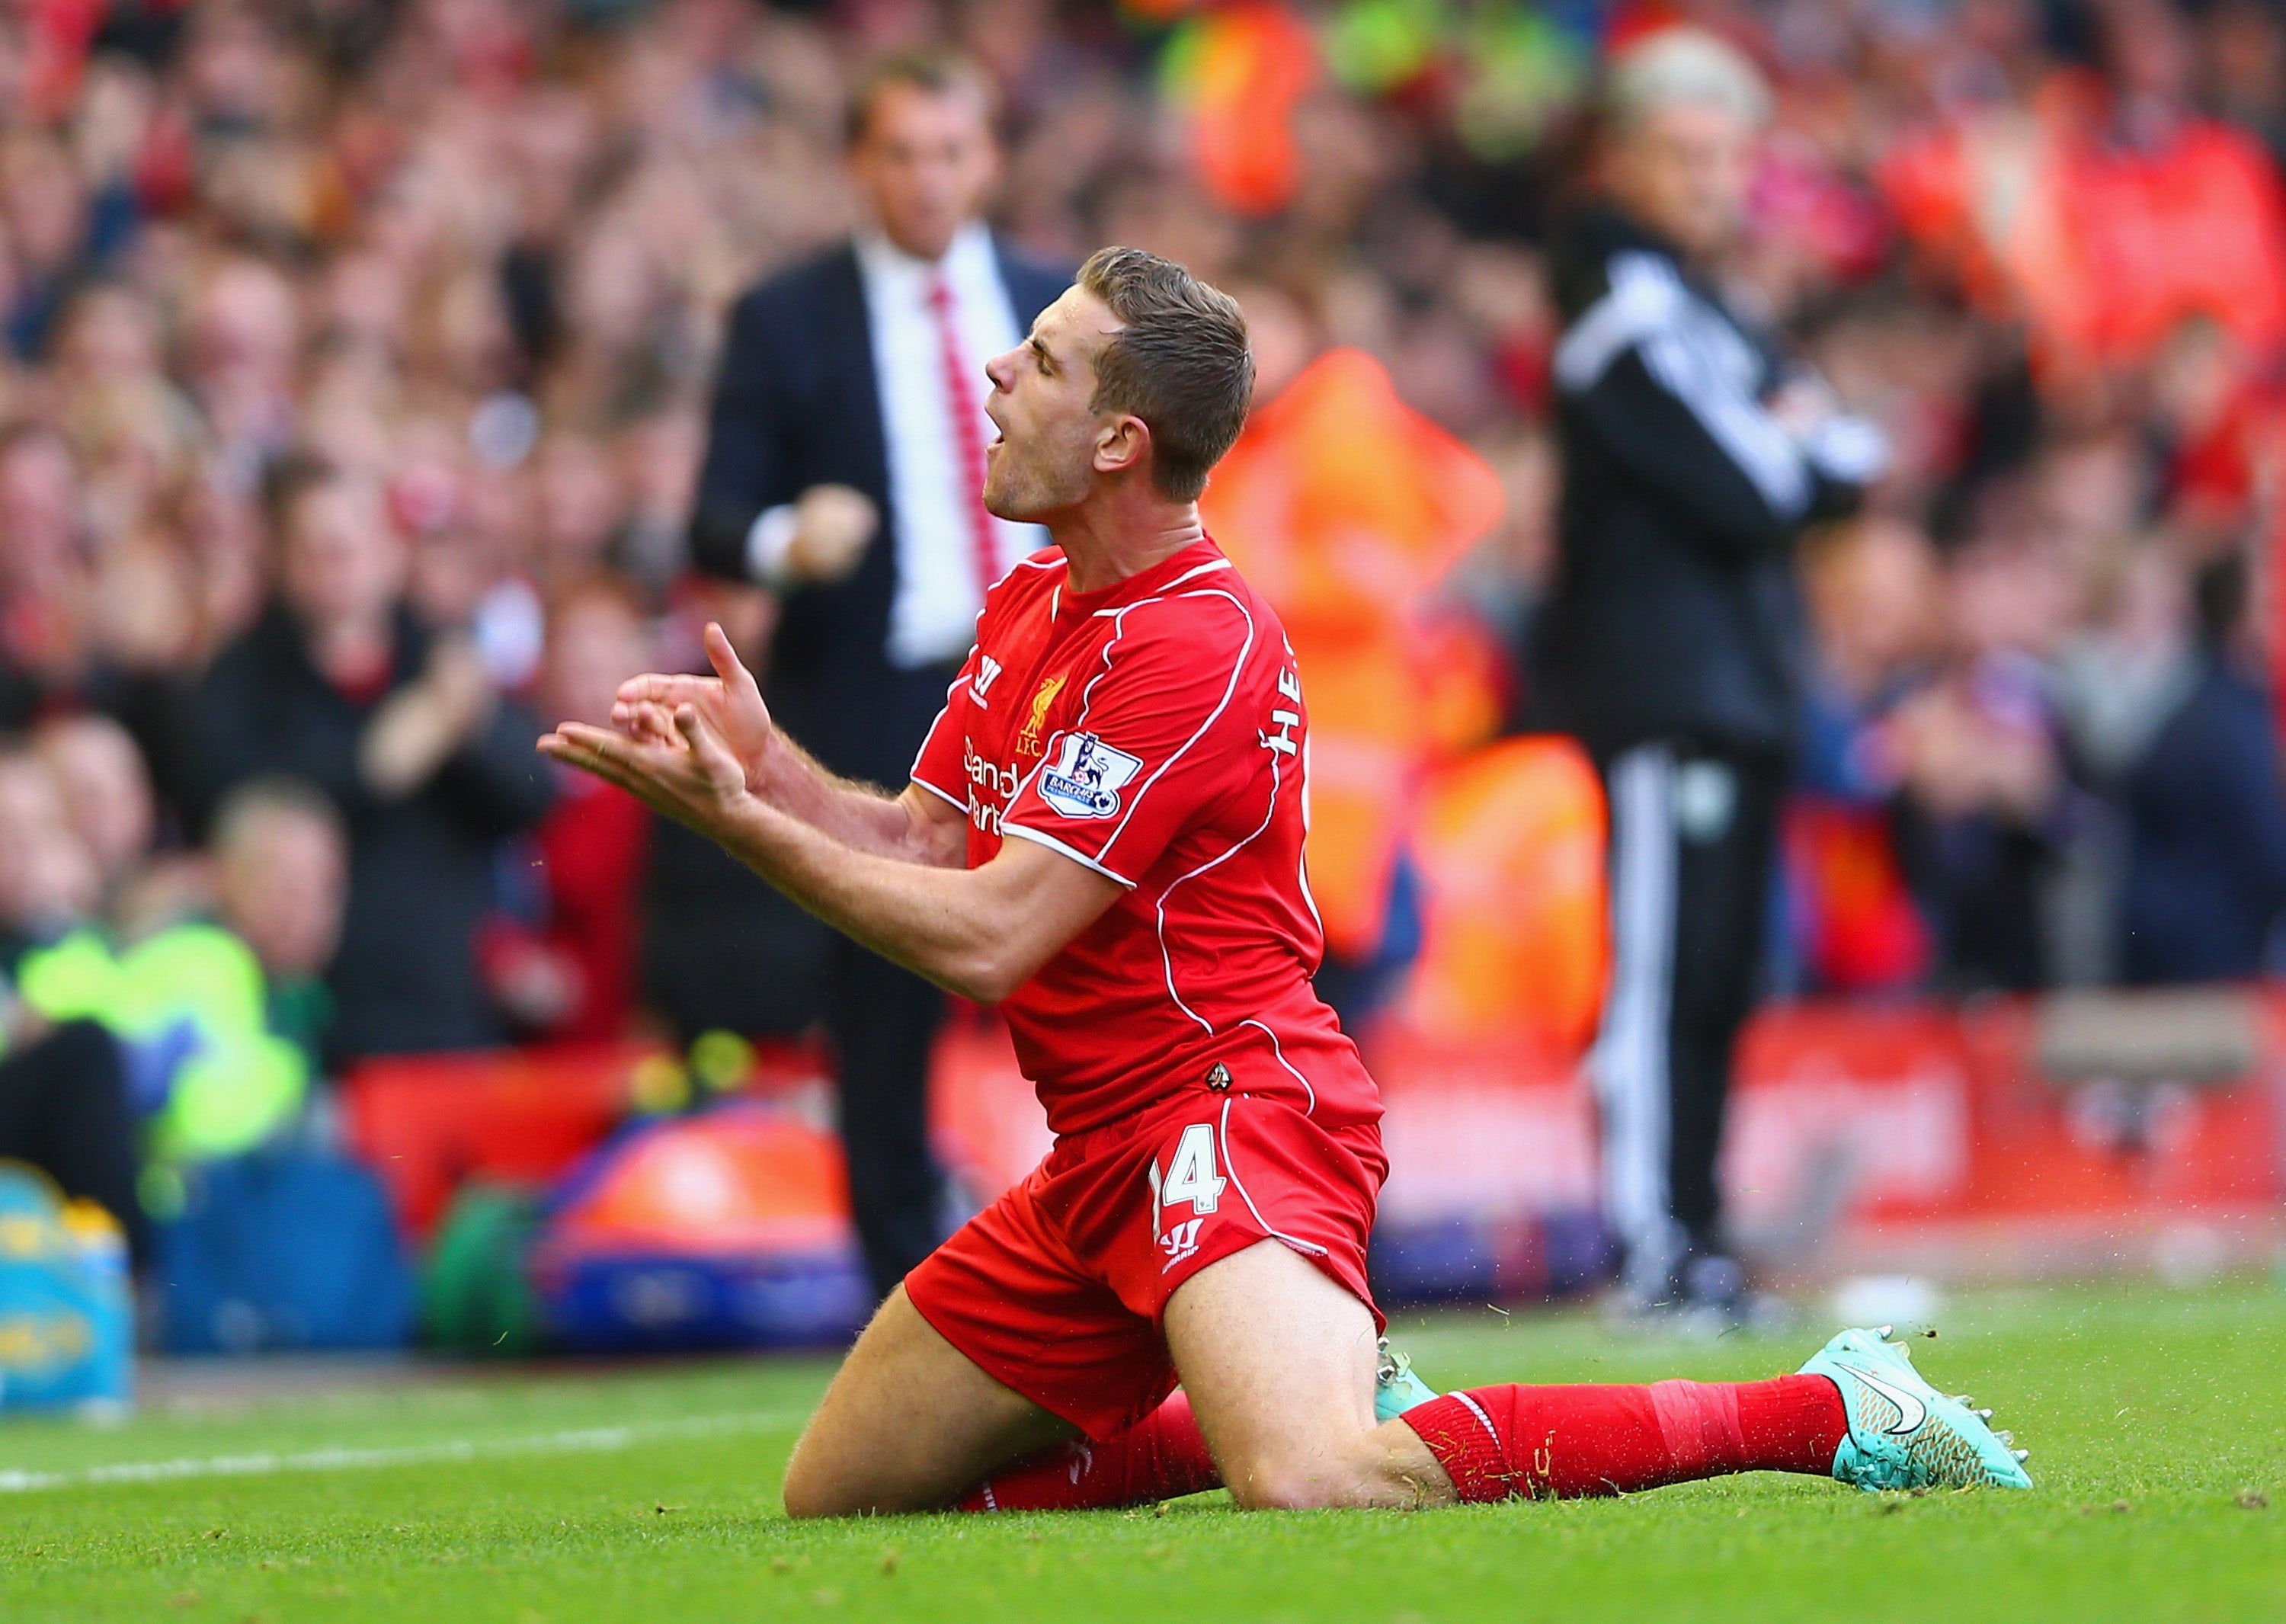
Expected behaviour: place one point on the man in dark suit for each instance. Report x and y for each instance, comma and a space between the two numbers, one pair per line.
845, 470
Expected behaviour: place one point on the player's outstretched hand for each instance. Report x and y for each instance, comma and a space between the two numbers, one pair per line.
730, 703
673, 760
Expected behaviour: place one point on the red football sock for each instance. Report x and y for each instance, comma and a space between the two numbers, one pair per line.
1558, 1443
1158, 1458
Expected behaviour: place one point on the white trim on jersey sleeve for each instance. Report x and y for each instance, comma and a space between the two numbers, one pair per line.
958, 803
1022, 833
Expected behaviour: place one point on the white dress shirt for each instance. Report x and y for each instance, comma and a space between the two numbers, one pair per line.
933, 616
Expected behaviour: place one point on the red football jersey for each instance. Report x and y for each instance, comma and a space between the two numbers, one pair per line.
1155, 732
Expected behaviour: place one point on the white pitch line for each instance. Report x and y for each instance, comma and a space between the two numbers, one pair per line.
578, 1440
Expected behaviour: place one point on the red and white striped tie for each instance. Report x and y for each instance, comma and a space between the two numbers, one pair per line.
968, 434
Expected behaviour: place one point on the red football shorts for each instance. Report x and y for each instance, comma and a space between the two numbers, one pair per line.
1056, 1289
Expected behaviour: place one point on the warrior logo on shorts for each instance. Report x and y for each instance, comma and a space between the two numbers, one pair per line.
1086, 777
1179, 1243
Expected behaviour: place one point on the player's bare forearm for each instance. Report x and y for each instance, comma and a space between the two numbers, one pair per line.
980, 932
912, 827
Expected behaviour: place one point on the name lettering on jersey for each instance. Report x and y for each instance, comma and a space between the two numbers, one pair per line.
990, 788
1086, 775
987, 672
1028, 738
1279, 736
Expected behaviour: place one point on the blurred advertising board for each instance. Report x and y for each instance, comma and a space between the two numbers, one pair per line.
2010, 1136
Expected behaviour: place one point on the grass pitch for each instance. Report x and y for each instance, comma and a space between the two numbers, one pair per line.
2158, 1422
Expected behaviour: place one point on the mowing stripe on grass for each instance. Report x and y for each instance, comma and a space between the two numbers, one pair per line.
581, 1440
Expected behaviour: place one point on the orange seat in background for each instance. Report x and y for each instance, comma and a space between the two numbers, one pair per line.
426, 1121
1510, 846
740, 1178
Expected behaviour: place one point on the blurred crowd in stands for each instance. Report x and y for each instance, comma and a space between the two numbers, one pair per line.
355, 354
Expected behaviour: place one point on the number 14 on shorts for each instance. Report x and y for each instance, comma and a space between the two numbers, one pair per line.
1190, 1180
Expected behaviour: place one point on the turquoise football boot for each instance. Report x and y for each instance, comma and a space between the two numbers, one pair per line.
1395, 1388
1904, 1434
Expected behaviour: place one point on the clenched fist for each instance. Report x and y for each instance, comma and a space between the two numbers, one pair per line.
833, 524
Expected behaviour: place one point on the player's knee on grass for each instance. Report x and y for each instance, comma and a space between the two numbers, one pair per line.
1277, 1360
813, 1491
1386, 1467
818, 1496
823, 1479
804, 1499
880, 1482
906, 1424
1277, 1486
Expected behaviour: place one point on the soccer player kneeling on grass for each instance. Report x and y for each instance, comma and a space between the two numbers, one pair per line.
1103, 835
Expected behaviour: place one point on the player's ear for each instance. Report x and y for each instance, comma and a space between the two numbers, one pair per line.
1122, 444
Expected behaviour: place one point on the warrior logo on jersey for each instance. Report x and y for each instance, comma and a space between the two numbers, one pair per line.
1086, 777
1028, 739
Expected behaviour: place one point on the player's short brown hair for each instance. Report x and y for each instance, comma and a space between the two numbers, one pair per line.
1180, 363
931, 69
